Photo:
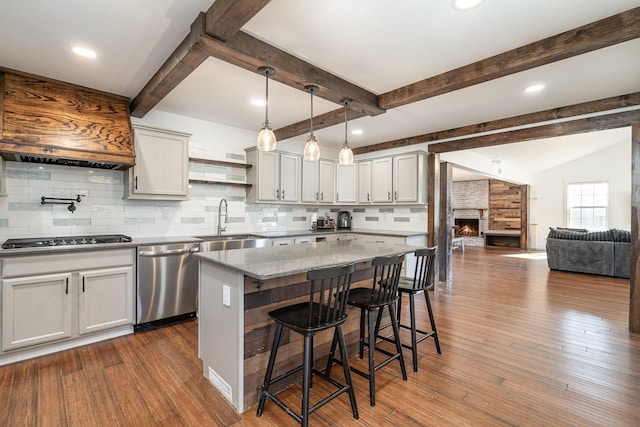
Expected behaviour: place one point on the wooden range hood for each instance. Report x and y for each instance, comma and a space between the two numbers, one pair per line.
47, 121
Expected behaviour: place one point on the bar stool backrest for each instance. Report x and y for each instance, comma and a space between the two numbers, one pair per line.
425, 259
328, 293
385, 278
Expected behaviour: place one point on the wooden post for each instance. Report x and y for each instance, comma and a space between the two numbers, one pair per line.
445, 269
634, 294
524, 217
433, 196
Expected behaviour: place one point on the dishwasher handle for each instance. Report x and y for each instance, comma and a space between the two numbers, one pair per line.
168, 252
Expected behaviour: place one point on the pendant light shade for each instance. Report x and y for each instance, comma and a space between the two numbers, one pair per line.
346, 155
266, 137
311, 148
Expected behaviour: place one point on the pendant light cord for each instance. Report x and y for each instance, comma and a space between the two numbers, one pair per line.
266, 117
311, 113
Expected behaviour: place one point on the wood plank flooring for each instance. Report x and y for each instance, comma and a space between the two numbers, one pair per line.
521, 345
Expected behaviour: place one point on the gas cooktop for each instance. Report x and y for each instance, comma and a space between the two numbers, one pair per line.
39, 242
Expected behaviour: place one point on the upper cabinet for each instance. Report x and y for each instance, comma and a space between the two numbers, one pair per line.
346, 183
54, 122
382, 180
318, 181
364, 181
275, 176
399, 179
162, 165
409, 178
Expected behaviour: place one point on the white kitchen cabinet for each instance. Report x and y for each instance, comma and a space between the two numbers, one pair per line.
364, 182
36, 310
409, 178
275, 176
303, 239
382, 180
161, 171
286, 241
346, 183
106, 299
53, 297
399, 179
318, 181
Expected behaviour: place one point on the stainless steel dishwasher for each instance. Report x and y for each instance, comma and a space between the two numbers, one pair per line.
167, 290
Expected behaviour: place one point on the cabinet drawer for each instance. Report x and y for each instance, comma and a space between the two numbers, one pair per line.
69, 261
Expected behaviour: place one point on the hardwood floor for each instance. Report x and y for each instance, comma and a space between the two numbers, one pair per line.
521, 345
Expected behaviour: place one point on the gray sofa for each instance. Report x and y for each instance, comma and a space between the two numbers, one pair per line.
606, 253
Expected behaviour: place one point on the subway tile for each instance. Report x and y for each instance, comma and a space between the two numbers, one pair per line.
299, 218
371, 218
139, 221
234, 156
401, 219
4, 222
65, 222
28, 174
359, 210
386, 210
29, 207
192, 220
236, 219
418, 210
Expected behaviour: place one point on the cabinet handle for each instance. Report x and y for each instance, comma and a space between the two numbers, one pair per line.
368, 200
277, 194
135, 186
322, 196
82, 283
282, 194
316, 196
337, 198
396, 194
66, 289
388, 195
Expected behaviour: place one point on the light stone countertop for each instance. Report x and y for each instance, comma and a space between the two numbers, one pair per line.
150, 241
278, 261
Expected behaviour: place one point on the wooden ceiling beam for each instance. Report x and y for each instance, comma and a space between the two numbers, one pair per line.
590, 107
250, 53
225, 17
321, 121
186, 58
615, 29
572, 127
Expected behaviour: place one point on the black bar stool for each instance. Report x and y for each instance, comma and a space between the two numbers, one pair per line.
326, 308
372, 301
420, 283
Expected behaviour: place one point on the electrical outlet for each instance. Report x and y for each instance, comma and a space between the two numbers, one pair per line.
226, 295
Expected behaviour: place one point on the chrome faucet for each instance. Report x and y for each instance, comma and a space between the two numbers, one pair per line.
226, 216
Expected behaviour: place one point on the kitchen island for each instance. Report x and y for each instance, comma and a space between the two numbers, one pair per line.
239, 288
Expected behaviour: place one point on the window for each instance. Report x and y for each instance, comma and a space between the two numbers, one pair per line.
587, 205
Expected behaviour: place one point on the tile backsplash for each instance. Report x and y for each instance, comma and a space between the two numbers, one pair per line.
104, 210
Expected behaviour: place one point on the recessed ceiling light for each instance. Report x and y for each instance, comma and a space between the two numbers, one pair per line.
534, 88
356, 132
465, 4
82, 51
258, 102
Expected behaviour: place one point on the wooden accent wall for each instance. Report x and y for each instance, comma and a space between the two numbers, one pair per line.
43, 117
259, 329
505, 205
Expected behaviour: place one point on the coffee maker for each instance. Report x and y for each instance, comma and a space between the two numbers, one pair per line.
344, 220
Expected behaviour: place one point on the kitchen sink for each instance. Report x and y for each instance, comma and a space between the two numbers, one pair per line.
228, 242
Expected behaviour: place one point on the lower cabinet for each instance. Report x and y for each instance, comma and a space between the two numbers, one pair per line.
52, 297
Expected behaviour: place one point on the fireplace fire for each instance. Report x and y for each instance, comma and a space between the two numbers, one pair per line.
467, 227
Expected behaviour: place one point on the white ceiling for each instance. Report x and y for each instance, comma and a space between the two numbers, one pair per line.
379, 45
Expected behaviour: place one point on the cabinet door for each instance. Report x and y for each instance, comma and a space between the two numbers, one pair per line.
268, 175
106, 299
289, 178
162, 164
36, 309
346, 183
310, 181
364, 182
326, 181
405, 178
382, 180
282, 242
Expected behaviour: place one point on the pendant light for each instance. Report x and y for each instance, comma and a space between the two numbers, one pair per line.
311, 148
266, 137
346, 155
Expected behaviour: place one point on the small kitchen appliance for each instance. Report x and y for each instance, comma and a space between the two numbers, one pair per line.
344, 220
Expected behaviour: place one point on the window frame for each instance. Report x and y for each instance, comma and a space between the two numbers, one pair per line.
568, 207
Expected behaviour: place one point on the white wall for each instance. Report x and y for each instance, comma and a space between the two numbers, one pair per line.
547, 191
